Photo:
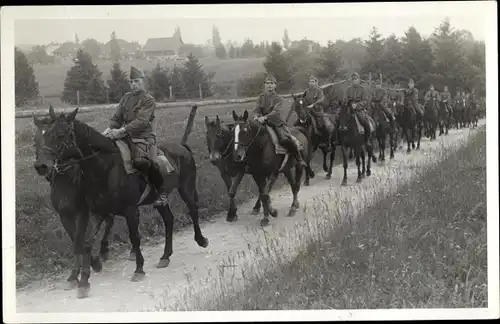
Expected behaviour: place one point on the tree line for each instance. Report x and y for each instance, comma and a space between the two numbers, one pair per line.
449, 57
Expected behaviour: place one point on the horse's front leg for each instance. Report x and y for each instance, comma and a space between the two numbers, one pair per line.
358, 164
264, 191
344, 160
231, 213
332, 158
104, 250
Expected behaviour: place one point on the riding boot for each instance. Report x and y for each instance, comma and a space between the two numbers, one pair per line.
326, 140
295, 145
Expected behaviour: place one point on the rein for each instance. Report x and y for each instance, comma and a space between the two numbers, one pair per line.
251, 140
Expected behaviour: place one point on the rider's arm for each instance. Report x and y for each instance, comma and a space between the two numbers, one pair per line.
321, 98
116, 120
143, 117
276, 109
256, 112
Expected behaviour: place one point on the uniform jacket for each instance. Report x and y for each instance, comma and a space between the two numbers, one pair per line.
314, 96
379, 96
411, 96
135, 112
445, 96
431, 94
358, 93
270, 104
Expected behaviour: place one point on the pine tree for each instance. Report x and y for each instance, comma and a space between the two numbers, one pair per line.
232, 52
193, 75
84, 77
393, 68
160, 84
418, 57
26, 86
216, 40
176, 82
276, 64
286, 40
330, 62
114, 48
375, 47
118, 84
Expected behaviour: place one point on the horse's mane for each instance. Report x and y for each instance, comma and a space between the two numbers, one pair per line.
95, 139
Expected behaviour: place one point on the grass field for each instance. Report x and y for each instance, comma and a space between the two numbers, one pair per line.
42, 246
422, 247
51, 77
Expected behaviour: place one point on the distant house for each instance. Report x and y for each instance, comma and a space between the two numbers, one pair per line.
162, 47
66, 50
51, 48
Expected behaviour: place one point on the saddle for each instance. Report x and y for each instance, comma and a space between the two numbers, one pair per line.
274, 138
155, 154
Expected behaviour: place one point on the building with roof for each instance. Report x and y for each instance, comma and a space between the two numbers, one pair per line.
162, 47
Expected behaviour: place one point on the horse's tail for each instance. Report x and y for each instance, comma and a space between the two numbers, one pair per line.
189, 125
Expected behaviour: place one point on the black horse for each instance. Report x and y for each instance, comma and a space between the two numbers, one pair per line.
408, 121
219, 139
349, 135
65, 195
444, 118
108, 189
254, 148
383, 130
431, 117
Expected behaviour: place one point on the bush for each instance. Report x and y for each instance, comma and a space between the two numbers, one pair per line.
251, 85
26, 86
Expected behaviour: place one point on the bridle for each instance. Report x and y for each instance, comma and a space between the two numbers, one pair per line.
246, 146
61, 166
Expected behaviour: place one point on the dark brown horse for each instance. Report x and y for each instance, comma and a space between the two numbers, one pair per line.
431, 117
349, 135
65, 195
253, 147
107, 188
408, 121
383, 130
220, 150
444, 118
459, 113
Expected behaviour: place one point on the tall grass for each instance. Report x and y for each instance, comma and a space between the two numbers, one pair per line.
422, 246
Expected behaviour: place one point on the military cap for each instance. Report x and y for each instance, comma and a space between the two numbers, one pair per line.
136, 73
313, 77
355, 75
411, 81
270, 78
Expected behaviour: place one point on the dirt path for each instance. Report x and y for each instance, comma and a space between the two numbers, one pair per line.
190, 266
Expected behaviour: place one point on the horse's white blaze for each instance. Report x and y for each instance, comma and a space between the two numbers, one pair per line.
43, 132
236, 136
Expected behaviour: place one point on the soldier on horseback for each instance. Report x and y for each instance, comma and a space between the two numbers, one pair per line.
313, 97
445, 99
379, 100
431, 93
411, 97
133, 120
267, 111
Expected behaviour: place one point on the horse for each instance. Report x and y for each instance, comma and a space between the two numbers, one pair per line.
306, 120
349, 135
383, 129
474, 114
408, 122
444, 118
64, 195
254, 148
219, 139
107, 188
431, 117
459, 113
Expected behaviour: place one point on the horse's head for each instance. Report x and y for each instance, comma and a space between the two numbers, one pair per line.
300, 109
58, 143
42, 125
218, 139
346, 111
244, 134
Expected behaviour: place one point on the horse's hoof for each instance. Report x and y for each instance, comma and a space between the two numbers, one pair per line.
382, 159
132, 256
264, 222
71, 284
418, 148
292, 212
203, 242
274, 212
82, 292
344, 183
231, 219
163, 263
408, 151
392, 156
104, 256
325, 168
328, 176
138, 276
359, 180
306, 183
368, 173
374, 159
96, 264
256, 211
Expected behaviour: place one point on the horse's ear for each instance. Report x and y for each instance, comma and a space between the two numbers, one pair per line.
235, 117
71, 116
52, 113
217, 121
245, 115
36, 121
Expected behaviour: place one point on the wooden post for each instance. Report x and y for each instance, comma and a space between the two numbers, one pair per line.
201, 92
107, 96
381, 77
78, 97
170, 90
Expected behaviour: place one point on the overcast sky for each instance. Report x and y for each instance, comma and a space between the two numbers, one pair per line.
354, 23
